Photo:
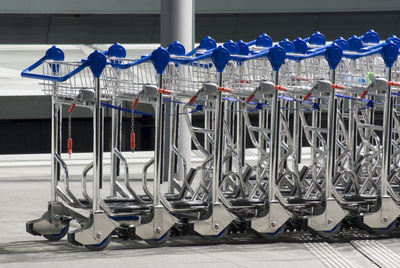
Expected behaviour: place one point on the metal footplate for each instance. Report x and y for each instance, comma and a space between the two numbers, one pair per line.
270, 223
387, 213
52, 222
99, 227
160, 224
329, 219
216, 223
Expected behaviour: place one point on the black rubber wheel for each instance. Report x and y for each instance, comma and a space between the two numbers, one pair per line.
60, 235
222, 234
100, 246
379, 231
160, 241
328, 234
271, 236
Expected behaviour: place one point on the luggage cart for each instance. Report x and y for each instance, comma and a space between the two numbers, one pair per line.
355, 200
351, 179
197, 78
76, 83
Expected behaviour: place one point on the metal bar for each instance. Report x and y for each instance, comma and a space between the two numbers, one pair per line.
218, 143
387, 135
55, 133
331, 143
158, 147
97, 135
274, 142
115, 144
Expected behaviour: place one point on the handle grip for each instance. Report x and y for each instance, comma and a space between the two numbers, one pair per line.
71, 108
307, 96
164, 91
362, 96
244, 82
135, 103
69, 145
250, 98
27, 72
193, 99
133, 141
224, 89
337, 86
396, 84
280, 88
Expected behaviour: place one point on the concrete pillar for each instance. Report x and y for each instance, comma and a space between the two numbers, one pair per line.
177, 23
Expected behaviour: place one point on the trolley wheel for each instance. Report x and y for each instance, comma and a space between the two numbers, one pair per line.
222, 234
100, 246
379, 231
160, 241
60, 235
328, 234
271, 236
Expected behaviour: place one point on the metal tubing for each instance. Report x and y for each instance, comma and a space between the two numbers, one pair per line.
158, 148
274, 142
218, 143
352, 134
229, 119
331, 144
115, 144
262, 123
387, 135
97, 152
172, 144
55, 133
208, 124
296, 136
314, 140
240, 132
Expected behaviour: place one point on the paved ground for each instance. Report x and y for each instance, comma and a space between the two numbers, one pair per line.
24, 197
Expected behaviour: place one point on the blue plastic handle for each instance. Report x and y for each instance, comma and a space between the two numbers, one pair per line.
389, 53
160, 59
116, 50
232, 47
316, 38
176, 48
276, 56
56, 54
333, 56
220, 58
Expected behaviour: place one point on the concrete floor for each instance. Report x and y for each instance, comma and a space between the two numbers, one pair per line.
24, 197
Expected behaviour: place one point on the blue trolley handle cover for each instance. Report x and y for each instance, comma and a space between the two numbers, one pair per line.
96, 61
56, 54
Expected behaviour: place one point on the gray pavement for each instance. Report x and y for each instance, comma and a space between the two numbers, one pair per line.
24, 192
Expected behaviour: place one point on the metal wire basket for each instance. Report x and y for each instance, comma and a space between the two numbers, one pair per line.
128, 82
69, 88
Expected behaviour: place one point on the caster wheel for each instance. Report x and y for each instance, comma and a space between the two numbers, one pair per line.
379, 231
101, 246
328, 234
56, 237
160, 241
222, 234
271, 236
